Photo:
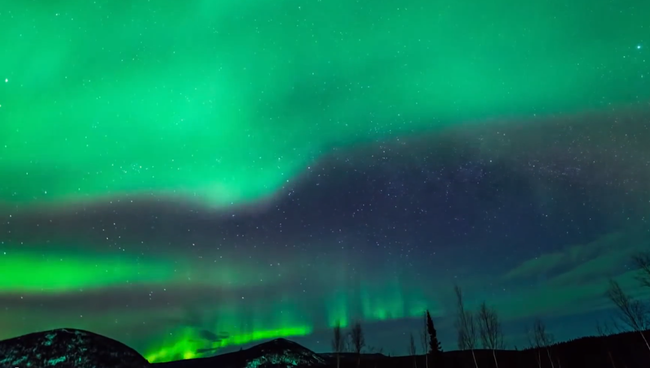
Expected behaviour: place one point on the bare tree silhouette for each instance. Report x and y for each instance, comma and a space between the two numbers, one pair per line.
540, 339
413, 351
347, 343
358, 340
533, 346
337, 343
603, 331
490, 330
631, 311
465, 325
642, 262
424, 340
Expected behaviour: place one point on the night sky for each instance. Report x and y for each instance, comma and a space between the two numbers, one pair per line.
191, 177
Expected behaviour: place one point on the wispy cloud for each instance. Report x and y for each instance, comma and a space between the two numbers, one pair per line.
574, 278
606, 254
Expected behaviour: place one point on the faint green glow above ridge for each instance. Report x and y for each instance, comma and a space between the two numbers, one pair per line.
254, 320
234, 324
186, 345
239, 308
226, 101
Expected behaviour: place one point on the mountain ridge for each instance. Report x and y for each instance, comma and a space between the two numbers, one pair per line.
68, 348
73, 348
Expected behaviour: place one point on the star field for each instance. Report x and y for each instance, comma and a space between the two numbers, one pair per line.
189, 178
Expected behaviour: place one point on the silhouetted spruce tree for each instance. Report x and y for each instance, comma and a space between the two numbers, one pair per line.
435, 349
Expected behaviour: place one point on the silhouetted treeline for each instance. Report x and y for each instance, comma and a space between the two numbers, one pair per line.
627, 351
480, 339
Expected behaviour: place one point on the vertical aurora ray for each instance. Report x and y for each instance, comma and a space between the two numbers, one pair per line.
337, 309
235, 307
246, 322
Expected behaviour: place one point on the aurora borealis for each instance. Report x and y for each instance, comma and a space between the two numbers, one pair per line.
192, 177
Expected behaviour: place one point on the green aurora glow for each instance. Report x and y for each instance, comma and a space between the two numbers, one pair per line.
187, 345
62, 273
226, 101
245, 320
